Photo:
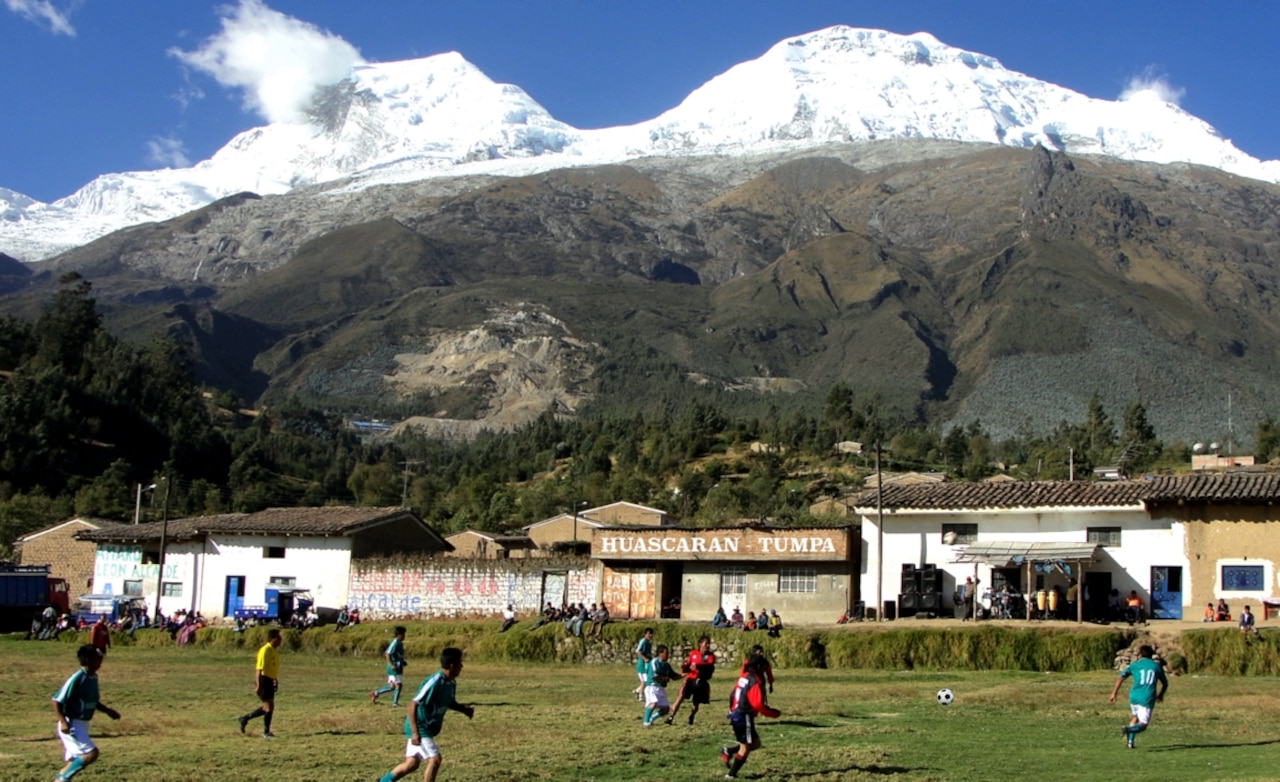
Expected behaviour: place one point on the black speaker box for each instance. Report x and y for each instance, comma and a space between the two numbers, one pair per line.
931, 601
908, 604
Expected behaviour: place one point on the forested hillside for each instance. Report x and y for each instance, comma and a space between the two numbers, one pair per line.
86, 418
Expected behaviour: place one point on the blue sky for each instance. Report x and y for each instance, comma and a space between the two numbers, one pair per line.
95, 86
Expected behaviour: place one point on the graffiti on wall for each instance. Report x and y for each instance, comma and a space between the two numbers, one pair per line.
450, 589
124, 563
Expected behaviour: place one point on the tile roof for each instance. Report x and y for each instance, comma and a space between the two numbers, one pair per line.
1005, 494
1247, 488
1236, 487
333, 520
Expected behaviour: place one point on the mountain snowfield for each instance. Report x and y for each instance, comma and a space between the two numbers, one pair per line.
441, 116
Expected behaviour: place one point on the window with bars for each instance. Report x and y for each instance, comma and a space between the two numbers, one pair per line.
733, 581
1243, 578
797, 579
172, 589
1104, 536
959, 533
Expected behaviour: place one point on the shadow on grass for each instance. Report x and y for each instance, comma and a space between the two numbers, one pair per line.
801, 724
1173, 747
875, 770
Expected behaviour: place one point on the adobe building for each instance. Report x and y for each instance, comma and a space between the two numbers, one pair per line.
67, 557
476, 544
807, 574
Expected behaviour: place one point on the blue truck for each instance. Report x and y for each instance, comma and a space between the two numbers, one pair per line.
24, 591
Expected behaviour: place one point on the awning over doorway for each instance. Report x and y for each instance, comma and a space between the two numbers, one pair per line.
1014, 553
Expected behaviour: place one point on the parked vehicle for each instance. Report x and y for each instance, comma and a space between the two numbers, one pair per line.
26, 590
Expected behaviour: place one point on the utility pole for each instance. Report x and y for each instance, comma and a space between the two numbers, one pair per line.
164, 534
879, 538
404, 492
137, 505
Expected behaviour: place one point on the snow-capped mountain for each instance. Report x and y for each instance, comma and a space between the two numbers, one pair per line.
401, 121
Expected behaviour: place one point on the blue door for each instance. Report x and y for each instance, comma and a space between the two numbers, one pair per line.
1166, 592
235, 595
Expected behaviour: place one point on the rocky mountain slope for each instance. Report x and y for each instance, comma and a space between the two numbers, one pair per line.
957, 281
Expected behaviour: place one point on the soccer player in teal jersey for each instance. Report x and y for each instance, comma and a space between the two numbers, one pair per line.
644, 655
1143, 694
655, 687
395, 669
426, 717
74, 704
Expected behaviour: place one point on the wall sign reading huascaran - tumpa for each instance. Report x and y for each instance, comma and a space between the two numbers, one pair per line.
729, 544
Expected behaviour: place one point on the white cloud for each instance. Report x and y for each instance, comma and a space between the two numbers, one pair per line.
1150, 84
169, 152
276, 59
44, 11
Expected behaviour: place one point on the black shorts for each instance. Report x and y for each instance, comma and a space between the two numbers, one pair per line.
696, 690
744, 727
266, 689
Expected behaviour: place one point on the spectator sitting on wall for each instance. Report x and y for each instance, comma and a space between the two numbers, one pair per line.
1223, 611
735, 618
750, 623
720, 620
576, 622
774, 623
508, 618
342, 620
1210, 615
1246, 622
599, 620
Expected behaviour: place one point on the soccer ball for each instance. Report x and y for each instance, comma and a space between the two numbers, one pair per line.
945, 697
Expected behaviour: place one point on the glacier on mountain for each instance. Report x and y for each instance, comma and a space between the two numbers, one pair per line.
440, 115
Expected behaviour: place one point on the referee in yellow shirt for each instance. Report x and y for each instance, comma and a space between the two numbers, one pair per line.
266, 675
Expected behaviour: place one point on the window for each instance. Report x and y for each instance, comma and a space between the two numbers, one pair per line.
171, 589
133, 588
273, 552
953, 534
282, 581
733, 582
1104, 536
1243, 578
797, 579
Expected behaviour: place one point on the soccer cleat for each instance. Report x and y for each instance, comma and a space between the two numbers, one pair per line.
268, 736
1129, 743
373, 696
690, 719
668, 720
726, 757
243, 722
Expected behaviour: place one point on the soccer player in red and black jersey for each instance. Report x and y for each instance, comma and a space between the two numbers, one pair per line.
746, 703
698, 668
766, 669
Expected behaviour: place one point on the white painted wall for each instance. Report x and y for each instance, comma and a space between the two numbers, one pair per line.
322, 565
916, 537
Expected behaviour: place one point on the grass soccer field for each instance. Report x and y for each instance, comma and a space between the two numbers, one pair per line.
560, 722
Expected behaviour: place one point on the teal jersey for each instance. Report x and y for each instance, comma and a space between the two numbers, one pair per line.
395, 657
1145, 673
433, 699
659, 668
79, 696
644, 653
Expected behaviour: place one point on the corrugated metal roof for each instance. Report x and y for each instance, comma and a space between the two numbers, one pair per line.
1000, 553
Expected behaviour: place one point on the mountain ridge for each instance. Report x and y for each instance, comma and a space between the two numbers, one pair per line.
440, 116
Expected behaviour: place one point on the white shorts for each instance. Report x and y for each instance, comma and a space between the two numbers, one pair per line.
77, 742
644, 677
655, 697
426, 749
394, 679
1143, 713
